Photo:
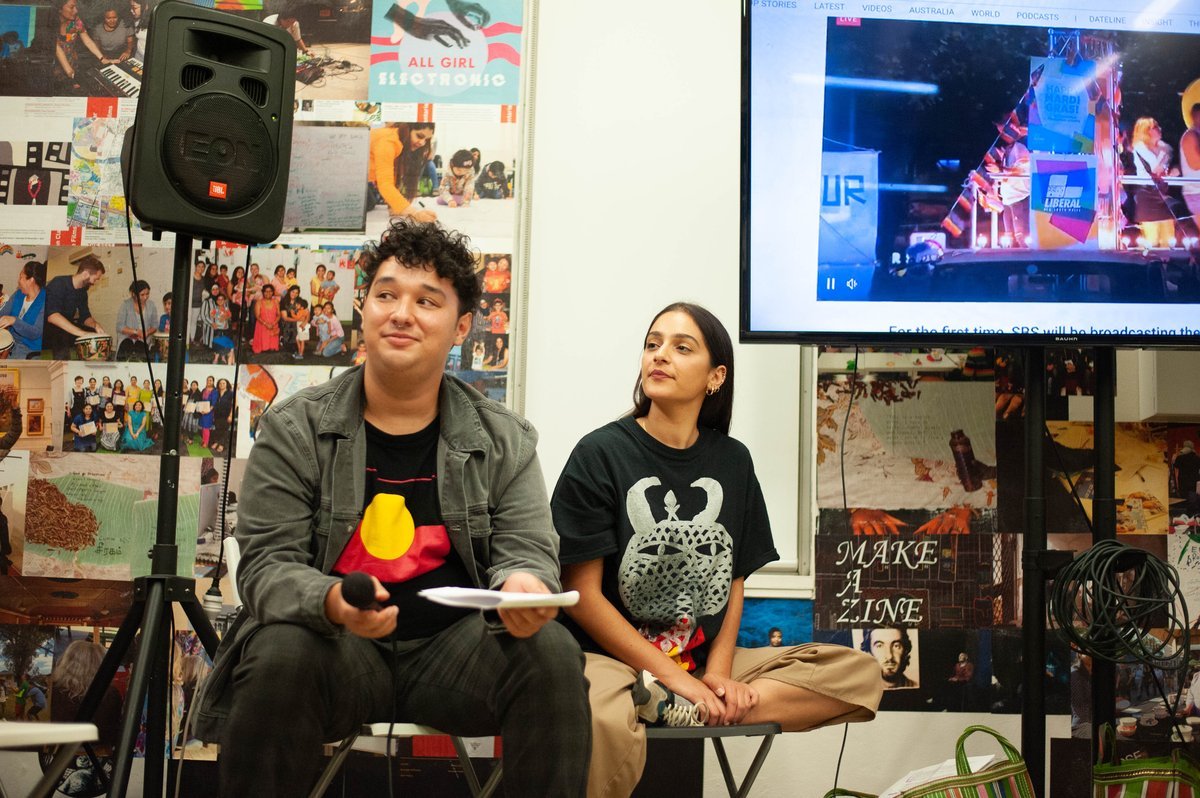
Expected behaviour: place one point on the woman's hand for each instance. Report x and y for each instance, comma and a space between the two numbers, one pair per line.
698, 693
739, 697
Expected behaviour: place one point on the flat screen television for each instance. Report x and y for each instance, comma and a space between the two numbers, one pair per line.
969, 173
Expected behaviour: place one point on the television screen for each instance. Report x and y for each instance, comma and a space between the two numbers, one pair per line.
953, 172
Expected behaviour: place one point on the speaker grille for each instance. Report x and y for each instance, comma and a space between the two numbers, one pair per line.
218, 153
256, 90
193, 76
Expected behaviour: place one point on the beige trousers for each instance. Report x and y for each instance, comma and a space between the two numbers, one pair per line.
619, 739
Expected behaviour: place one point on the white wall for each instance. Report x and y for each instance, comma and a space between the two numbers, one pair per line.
1178, 384
635, 205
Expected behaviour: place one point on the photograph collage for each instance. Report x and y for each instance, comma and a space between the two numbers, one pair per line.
918, 561
401, 110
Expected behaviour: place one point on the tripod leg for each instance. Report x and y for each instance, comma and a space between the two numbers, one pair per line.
136, 695
158, 724
208, 637
112, 660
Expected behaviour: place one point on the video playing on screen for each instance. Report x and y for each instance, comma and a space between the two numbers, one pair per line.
1030, 172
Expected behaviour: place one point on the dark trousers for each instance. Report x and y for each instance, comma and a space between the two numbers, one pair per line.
295, 690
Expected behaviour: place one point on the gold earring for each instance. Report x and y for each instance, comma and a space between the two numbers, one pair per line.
712, 390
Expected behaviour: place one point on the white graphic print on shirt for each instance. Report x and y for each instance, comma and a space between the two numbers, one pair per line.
675, 571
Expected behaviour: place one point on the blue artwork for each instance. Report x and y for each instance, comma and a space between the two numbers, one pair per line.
793, 618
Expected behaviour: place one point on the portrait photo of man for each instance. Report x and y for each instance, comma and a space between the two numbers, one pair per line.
896, 652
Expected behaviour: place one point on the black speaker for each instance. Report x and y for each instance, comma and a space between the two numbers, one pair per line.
209, 150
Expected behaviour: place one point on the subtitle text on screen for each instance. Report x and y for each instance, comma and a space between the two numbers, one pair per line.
1059, 330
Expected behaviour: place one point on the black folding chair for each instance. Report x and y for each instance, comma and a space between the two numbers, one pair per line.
715, 733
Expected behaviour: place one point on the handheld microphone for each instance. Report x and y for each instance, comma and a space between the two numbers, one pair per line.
359, 591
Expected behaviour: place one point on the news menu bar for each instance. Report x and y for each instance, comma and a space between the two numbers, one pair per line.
1095, 14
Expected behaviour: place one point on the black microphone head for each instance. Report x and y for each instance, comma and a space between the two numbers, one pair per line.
359, 591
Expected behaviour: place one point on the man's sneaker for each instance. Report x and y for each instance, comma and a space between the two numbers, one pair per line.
658, 705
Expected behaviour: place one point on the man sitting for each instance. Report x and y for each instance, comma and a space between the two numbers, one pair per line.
399, 471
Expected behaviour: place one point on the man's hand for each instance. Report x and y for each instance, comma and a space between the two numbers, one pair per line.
527, 621
955, 521
739, 697
364, 623
874, 522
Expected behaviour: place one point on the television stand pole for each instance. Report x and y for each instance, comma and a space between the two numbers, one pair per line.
155, 596
1104, 523
1033, 590
1040, 564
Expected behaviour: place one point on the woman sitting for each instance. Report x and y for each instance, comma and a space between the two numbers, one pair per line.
662, 519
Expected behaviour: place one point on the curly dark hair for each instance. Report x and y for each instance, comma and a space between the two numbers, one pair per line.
420, 245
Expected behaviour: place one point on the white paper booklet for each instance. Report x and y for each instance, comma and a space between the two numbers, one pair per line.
934, 772
493, 599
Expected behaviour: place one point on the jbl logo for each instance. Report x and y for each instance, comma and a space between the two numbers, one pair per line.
218, 190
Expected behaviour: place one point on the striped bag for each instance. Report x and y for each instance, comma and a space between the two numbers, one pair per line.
1007, 778
1174, 776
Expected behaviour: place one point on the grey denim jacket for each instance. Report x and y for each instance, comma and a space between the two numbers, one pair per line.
303, 497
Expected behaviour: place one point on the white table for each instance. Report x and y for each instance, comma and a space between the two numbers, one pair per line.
23, 734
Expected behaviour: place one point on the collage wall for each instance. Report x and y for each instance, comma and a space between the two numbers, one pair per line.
402, 109
920, 490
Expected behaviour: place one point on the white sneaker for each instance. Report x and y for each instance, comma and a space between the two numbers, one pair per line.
658, 705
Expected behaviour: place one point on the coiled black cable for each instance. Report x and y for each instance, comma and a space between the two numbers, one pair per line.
1108, 600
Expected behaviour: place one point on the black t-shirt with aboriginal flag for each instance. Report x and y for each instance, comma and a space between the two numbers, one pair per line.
401, 539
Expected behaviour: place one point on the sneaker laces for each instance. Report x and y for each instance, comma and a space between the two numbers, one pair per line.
684, 713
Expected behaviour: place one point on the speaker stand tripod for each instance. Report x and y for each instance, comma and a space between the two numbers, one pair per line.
155, 596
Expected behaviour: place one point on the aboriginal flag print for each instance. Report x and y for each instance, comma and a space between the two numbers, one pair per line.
401, 539
390, 543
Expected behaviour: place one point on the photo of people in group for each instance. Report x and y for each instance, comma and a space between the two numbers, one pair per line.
100, 46
459, 173
114, 408
293, 306
110, 408
96, 311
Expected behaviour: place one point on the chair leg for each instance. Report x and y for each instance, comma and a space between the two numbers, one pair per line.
464, 759
748, 781
493, 783
335, 764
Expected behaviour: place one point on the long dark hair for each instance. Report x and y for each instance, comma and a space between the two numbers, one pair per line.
717, 410
411, 162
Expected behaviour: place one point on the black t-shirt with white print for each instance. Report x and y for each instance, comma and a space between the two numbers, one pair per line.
675, 528
401, 539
